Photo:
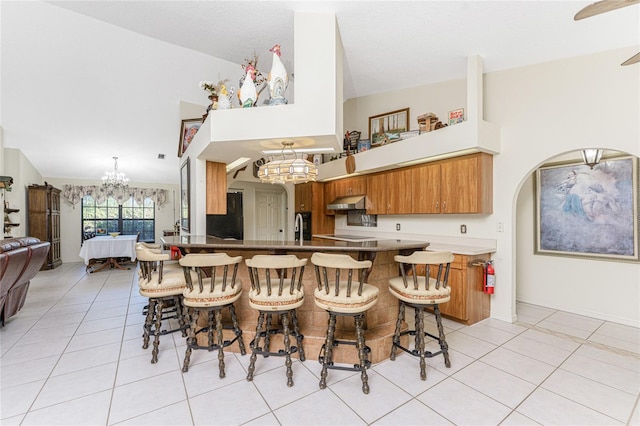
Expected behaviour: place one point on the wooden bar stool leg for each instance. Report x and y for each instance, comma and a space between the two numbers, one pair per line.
360, 342
180, 313
443, 343
255, 346
156, 332
328, 350
148, 323
267, 337
420, 342
396, 334
191, 340
296, 330
237, 329
287, 347
218, 317
210, 328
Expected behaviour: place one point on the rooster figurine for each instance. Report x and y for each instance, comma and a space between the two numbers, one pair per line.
278, 78
223, 98
247, 94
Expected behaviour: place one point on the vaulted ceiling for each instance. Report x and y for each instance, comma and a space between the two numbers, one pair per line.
83, 81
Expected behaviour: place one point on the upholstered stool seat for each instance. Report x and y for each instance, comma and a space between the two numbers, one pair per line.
211, 287
276, 288
164, 290
422, 284
346, 296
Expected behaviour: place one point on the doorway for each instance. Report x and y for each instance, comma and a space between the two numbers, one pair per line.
269, 215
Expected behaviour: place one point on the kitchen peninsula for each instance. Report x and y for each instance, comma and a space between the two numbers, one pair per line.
380, 320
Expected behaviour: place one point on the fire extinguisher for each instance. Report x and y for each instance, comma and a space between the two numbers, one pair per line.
489, 277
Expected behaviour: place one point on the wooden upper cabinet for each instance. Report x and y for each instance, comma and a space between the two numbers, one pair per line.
467, 184
216, 188
350, 186
329, 196
457, 185
399, 188
389, 192
425, 191
304, 197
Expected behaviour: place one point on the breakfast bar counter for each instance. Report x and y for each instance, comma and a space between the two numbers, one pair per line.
380, 319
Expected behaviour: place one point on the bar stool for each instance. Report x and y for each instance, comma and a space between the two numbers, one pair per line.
281, 298
420, 292
350, 297
211, 293
164, 290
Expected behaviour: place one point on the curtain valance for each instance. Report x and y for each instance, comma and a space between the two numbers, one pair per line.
74, 193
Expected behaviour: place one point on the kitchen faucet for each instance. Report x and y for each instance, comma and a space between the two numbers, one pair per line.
299, 225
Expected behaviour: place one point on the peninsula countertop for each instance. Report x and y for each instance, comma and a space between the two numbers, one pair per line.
209, 242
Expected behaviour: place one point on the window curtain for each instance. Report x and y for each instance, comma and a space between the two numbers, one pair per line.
74, 194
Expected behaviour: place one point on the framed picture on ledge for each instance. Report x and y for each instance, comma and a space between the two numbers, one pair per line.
588, 212
386, 128
188, 130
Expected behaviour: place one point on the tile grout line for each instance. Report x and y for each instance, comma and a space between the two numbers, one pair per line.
581, 341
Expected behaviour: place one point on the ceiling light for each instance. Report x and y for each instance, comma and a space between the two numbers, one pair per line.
115, 180
591, 157
288, 170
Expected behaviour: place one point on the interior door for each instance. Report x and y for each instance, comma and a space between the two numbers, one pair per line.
269, 224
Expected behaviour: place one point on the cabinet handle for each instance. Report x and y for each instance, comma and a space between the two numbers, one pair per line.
437, 206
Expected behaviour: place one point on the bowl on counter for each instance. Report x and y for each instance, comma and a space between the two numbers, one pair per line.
114, 234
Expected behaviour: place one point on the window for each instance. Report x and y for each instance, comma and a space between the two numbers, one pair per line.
128, 218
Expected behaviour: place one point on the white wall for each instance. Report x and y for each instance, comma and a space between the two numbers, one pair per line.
24, 174
543, 111
71, 221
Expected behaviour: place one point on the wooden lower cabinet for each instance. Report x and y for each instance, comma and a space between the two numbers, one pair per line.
468, 304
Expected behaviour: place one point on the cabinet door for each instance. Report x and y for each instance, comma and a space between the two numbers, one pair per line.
303, 194
456, 307
377, 202
329, 196
467, 184
425, 193
216, 202
351, 186
398, 190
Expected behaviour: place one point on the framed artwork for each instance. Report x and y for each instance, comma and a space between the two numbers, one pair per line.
188, 130
585, 212
185, 196
385, 128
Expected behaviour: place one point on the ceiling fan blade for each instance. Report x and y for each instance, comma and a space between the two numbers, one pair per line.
632, 60
602, 7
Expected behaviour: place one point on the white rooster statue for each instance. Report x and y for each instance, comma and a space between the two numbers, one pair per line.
278, 78
247, 94
223, 98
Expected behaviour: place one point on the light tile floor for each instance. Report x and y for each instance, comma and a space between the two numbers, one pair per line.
73, 356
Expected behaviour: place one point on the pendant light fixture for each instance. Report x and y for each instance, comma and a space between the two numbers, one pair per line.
288, 170
591, 157
115, 179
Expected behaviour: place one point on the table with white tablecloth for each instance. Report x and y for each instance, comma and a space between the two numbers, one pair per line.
110, 249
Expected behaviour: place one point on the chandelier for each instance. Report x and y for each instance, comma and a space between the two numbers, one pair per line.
114, 179
288, 170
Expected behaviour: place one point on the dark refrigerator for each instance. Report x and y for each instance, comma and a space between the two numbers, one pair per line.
228, 225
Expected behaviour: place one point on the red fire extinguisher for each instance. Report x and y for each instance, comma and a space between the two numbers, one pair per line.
489, 277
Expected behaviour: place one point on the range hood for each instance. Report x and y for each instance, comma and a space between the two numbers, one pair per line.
354, 202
